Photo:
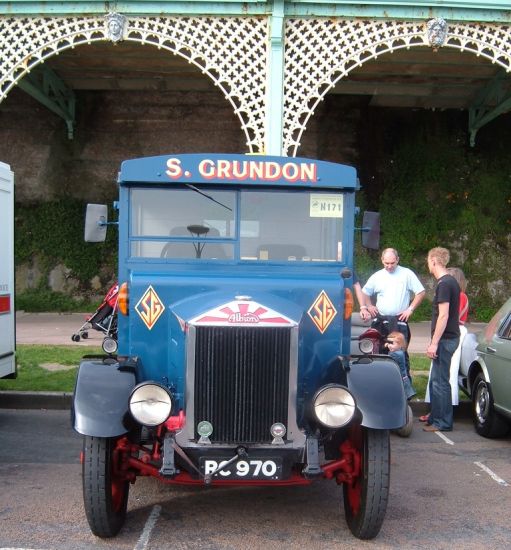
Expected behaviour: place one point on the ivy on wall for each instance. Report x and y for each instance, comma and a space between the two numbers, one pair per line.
438, 191
52, 232
416, 169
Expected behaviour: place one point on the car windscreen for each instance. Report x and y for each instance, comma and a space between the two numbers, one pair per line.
258, 225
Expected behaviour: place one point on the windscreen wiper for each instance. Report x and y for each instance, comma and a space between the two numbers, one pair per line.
197, 190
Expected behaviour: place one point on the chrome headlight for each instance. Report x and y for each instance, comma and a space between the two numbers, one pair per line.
334, 406
109, 345
366, 345
150, 404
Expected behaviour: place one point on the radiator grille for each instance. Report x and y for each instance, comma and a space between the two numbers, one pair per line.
241, 381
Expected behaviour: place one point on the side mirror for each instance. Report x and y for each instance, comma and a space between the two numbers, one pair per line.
371, 230
96, 219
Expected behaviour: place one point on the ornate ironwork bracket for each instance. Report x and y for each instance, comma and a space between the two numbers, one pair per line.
491, 102
45, 86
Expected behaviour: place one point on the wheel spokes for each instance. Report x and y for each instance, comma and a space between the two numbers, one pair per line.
482, 403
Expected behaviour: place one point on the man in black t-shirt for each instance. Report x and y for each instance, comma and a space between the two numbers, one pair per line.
445, 337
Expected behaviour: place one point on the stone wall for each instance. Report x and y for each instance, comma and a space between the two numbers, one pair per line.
110, 127
113, 126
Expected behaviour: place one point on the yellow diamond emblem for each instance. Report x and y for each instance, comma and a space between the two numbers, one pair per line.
322, 312
150, 307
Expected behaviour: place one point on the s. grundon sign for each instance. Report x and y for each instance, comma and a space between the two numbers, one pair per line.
245, 170
248, 170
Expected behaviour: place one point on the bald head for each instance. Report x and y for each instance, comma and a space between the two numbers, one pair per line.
390, 259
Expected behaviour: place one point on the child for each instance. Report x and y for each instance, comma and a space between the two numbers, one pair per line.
396, 345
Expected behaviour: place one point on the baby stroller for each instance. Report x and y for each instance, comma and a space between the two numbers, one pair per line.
104, 320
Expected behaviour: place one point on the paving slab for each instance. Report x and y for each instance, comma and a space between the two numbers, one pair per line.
53, 329
57, 329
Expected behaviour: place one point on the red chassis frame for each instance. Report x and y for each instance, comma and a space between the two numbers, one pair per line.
126, 466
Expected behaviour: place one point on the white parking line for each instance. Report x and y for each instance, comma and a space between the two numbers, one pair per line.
143, 541
445, 438
493, 475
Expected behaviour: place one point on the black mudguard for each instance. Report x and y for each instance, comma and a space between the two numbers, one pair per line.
101, 397
376, 384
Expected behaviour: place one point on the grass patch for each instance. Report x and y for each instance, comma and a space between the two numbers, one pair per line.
32, 377
419, 362
420, 382
419, 366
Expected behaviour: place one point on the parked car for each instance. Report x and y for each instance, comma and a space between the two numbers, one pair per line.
486, 376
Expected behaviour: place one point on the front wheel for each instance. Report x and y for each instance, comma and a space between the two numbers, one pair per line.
487, 422
105, 495
365, 500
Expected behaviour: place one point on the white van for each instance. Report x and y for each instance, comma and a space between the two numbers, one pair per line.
7, 311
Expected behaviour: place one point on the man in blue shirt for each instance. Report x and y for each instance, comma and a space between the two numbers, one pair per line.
393, 287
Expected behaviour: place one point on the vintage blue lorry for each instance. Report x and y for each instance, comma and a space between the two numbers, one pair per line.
233, 364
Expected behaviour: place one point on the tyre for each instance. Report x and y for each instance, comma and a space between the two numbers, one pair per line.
105, 496
85, 335
365, 500
75, 337
406, 430
487, 422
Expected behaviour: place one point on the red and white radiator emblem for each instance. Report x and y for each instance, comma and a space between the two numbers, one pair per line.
242, 314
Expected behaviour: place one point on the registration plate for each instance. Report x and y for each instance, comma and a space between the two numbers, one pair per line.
246, 468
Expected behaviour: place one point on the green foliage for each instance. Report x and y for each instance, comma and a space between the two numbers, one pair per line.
55, 231
437, 191
481, 312
429, 186
32, 377
41, 300
423, 312
52, 232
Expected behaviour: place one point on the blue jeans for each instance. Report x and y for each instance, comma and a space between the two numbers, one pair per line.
440, 387
400, 358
